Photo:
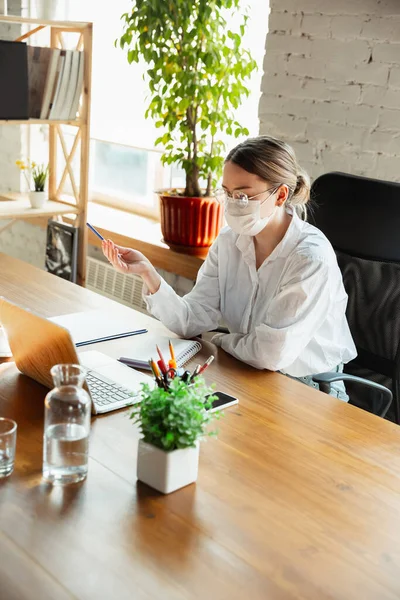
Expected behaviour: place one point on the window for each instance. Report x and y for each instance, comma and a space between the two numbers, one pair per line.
125, 166
120, 175
125, 177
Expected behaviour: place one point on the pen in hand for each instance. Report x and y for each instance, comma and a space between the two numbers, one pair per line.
95, 231
92, 228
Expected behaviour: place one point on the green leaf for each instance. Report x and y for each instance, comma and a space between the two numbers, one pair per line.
176, 418
132, 56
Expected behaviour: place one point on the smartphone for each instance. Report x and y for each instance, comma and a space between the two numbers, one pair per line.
223, 401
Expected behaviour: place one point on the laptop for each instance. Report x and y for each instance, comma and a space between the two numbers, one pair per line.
38, 344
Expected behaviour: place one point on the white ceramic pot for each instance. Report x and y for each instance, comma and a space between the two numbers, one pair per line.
167, 471
37, 199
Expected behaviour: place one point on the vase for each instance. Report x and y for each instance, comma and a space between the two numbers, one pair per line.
190, 225
66, 426
37, 199
167, 471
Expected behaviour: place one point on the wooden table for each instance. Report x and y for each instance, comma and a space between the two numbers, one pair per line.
299, 497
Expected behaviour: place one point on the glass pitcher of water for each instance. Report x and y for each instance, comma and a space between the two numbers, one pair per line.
66, 426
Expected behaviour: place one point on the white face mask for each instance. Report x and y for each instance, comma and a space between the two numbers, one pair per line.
247, 220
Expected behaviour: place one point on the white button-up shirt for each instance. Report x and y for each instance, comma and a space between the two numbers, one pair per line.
289, 315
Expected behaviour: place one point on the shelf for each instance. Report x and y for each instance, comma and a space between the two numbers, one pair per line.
28, 20
17, 206
38, 122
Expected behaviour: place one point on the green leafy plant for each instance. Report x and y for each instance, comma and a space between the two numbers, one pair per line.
197, 73
176, 418
38, 173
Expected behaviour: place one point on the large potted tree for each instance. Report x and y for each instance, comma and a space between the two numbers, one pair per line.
197, 72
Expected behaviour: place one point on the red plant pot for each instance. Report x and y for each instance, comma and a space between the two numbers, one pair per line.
190, 224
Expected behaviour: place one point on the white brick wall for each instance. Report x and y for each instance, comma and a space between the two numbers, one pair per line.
331, 84
24, 241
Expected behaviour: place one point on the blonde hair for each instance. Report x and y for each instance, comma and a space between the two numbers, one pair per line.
274, 161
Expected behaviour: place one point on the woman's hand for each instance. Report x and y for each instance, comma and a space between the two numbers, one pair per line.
126, 260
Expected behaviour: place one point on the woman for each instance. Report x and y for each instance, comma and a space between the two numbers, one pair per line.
271, 277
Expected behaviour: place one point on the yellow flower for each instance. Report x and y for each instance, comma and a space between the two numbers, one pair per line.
21, 165
33, 164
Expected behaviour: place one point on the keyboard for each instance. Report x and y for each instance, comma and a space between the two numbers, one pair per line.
106, 394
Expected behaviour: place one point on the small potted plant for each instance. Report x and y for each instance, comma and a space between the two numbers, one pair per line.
38, 175
172, 422
197, 74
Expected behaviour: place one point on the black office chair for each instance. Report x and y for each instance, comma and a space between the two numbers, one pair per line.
361, 218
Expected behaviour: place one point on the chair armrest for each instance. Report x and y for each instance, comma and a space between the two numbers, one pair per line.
216, 330
220, 330
325, 379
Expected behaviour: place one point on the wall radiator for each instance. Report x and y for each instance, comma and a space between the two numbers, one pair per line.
103, 279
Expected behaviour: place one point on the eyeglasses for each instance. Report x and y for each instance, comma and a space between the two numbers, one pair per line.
240, 198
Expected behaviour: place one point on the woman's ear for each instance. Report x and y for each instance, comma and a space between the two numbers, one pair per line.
282, 195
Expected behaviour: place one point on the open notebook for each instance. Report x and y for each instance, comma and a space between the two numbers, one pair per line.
89, 327
143, 348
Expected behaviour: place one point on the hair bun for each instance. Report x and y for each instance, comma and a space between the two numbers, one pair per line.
301, 194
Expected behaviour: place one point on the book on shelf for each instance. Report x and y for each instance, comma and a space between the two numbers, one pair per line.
71, 85
57, 81
78, 87
38, 66
41, 82
51, 82
56, 109
14, 80
68, 85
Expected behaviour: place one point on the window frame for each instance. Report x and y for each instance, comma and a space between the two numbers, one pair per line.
153, 211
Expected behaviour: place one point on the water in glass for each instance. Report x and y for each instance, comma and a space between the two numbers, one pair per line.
8, 436
6, 463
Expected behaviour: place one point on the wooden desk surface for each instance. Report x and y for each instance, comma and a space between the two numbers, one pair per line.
298, 498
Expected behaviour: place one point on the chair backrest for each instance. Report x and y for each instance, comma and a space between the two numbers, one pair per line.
361, 218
